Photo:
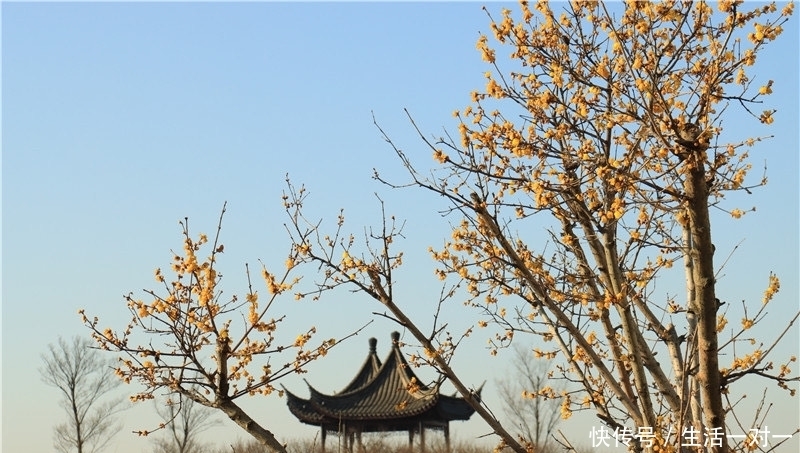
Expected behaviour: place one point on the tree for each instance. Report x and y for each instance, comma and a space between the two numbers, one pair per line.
186, 420
82, 376
611, 140
528, 401
371, 272
188, 340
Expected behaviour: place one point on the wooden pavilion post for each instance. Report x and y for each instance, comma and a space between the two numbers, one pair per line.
358, 438
447, 437
350, 439
411, 440
322, 437
421, 437
342, 435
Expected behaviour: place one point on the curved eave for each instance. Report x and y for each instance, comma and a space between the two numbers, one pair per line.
303, 409
387, 410
385, 397
453, 408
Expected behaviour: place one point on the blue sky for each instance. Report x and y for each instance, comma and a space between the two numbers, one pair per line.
121, 119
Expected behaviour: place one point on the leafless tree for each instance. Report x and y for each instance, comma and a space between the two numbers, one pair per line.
533, 412
86, 382
187, 420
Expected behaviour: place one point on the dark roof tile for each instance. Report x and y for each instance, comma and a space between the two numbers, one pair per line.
389, 391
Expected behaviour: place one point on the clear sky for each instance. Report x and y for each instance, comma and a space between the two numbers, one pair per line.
118, 120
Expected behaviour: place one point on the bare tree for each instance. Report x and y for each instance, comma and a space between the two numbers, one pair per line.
85, 380
530, 404
186, 420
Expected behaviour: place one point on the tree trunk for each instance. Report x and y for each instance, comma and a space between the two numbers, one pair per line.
264, 436
76, 416
704, 304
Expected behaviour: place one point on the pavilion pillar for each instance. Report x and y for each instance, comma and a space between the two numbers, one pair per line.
350, 439
411, 440
360, 443
342, 436
322, 437
447, 437
421, 437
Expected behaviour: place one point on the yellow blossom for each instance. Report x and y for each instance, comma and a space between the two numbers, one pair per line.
772, 289
722, 321
301, 340
494, 90
439, 156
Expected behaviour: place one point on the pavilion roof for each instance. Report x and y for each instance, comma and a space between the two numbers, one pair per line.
387, 392
368, 371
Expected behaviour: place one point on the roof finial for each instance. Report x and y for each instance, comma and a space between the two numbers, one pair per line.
373, 342
395, 337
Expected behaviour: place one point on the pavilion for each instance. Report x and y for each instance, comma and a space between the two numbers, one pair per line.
382, 397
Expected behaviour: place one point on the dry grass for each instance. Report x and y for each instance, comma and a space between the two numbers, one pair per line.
377, 443
372, 444
385, 444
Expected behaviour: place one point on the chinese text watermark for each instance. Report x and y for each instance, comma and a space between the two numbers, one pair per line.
690, 437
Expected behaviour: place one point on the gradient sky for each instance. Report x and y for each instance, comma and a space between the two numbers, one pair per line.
119, 120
